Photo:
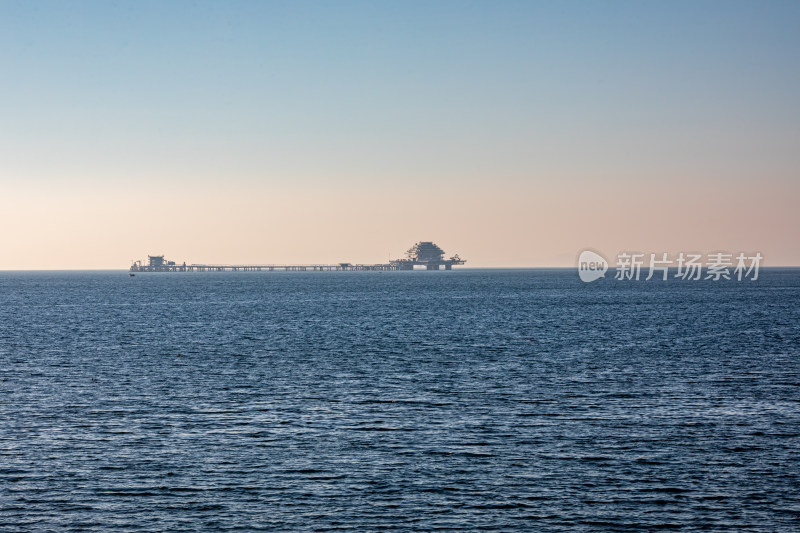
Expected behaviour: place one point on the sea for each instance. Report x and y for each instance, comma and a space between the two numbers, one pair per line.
467, 400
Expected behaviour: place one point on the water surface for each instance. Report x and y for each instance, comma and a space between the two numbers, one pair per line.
519, 400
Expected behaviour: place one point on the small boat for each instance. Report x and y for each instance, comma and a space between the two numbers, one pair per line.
131, 274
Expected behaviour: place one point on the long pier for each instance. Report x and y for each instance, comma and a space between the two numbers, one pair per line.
423, 254
138, 267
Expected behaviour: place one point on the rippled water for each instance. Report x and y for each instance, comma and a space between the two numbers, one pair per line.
474, 400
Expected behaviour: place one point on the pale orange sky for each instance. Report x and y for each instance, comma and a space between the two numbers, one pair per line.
538, 224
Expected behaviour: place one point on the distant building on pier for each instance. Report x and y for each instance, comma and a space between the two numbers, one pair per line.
429, 255
158, 261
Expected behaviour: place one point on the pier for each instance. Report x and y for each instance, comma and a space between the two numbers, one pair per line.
423, 254
170, 266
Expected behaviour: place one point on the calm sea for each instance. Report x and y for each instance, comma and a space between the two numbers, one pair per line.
516, 400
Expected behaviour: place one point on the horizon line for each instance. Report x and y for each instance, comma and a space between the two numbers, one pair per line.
643, 268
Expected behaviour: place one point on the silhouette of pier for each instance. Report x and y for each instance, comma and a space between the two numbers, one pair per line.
423, 254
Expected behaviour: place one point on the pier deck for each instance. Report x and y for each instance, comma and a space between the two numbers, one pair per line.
258, 268
423, 254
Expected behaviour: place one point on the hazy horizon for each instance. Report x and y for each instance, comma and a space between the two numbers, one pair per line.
512, 133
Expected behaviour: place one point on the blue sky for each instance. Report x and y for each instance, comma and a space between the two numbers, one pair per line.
361, 96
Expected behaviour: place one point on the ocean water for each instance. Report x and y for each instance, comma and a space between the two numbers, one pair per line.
476, 400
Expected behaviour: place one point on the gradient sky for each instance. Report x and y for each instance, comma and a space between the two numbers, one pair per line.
512, 133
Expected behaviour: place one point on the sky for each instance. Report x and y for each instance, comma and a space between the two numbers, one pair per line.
515, 134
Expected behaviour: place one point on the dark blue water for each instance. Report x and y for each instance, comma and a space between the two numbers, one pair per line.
464, 400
